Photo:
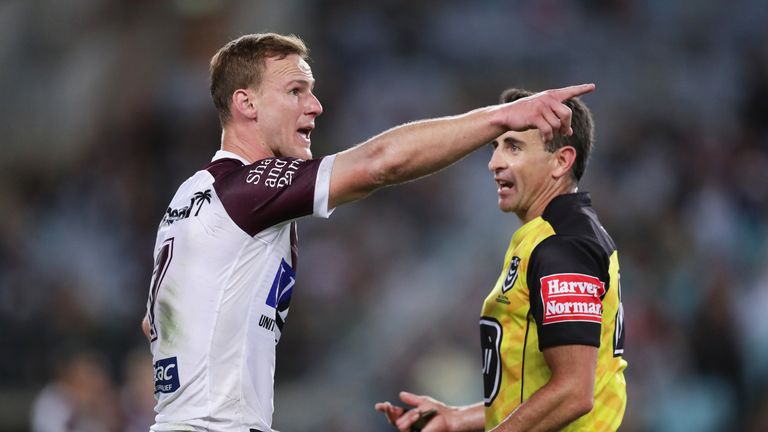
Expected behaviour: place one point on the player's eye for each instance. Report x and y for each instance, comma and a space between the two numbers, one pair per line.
295, 91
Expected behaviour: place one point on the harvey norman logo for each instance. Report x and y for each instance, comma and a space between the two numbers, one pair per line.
572, 297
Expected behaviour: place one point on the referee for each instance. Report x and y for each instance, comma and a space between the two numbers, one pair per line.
552, 333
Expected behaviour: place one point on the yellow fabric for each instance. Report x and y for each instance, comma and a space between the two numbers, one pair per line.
520, 342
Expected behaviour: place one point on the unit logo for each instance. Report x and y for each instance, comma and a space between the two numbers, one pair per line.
166, 375
569, 297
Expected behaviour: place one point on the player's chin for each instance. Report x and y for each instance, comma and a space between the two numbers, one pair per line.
302, 151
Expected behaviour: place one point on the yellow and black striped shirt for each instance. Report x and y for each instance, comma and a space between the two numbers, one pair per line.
559, 285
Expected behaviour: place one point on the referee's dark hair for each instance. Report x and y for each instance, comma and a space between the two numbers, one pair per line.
581, 123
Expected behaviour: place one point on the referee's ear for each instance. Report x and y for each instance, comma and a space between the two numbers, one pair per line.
563, 161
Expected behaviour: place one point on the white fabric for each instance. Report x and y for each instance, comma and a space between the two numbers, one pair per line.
212, 313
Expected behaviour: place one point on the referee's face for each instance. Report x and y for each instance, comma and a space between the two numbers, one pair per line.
522, 169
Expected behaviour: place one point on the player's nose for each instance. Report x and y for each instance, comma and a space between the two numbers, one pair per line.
314, 107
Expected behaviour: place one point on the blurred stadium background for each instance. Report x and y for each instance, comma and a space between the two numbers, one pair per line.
107, 110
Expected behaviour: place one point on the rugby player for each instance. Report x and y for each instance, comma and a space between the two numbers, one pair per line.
226, 247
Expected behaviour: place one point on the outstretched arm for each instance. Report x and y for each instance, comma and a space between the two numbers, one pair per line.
416, 149
448, 419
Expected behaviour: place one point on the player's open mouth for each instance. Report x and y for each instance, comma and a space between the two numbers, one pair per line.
305, 132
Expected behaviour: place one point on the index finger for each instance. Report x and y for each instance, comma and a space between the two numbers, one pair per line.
565, 93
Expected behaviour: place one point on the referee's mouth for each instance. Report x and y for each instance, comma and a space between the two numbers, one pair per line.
504, 184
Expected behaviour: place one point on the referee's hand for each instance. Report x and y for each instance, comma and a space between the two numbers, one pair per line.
404, 419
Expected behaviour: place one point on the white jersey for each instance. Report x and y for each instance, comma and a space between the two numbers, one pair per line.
225, 262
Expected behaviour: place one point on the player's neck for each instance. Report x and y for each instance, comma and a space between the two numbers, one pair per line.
244, 143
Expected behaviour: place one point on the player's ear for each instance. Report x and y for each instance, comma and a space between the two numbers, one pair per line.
564, 158
244, 103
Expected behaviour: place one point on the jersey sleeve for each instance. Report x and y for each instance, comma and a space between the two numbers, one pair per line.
273, 190
323, 187
567, 278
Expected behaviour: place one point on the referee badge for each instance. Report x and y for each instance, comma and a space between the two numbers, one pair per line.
511, 274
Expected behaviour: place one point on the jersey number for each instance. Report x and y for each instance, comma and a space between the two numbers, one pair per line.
490, 342
164, 256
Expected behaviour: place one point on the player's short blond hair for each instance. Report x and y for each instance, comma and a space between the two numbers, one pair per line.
240, 64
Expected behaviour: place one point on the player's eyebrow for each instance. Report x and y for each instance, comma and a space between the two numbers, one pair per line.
302, 82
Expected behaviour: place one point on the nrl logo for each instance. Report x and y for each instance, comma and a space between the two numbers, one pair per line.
173, 215
511, 275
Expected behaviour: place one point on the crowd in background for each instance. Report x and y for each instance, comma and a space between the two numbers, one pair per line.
107, 110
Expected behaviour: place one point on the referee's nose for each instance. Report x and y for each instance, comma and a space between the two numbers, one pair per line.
497, 160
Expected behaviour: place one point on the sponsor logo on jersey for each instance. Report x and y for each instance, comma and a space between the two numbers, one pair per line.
176, 214
267, 323
279, 297
274, 173
514, 264
166, 375
571, 297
